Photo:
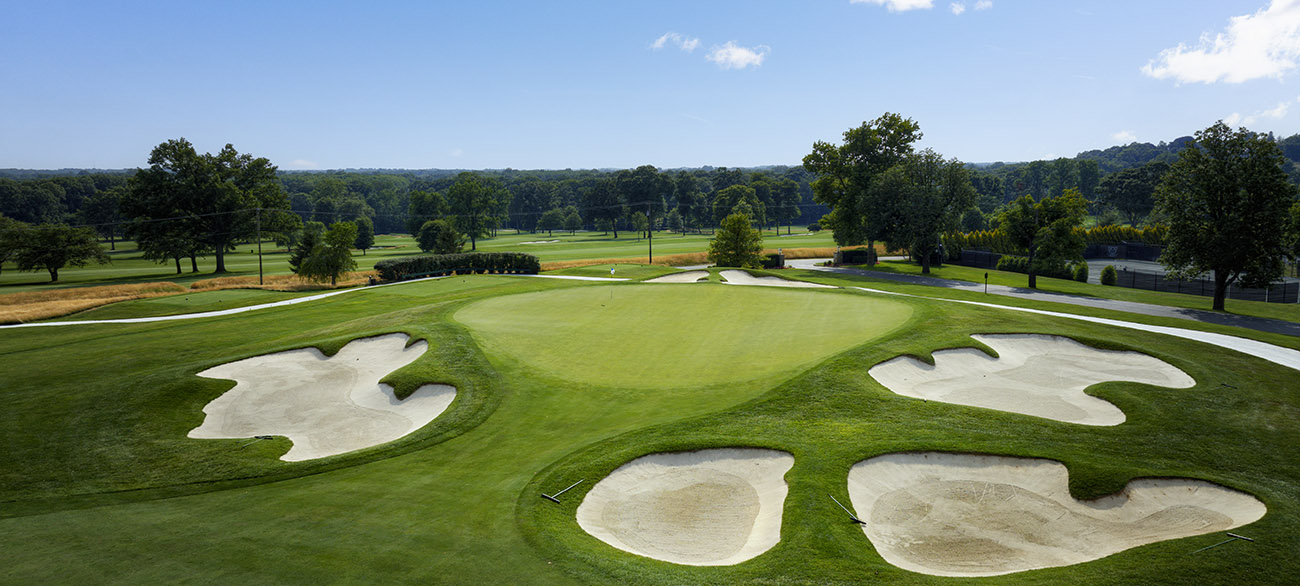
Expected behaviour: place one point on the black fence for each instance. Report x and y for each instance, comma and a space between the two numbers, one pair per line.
1282, 293
1150, 281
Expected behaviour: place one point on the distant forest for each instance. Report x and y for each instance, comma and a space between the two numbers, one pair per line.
1106, 177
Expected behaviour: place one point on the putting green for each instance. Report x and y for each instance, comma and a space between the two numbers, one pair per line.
673, 336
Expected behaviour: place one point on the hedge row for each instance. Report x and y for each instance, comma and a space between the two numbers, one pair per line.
996, 241
1043, 268
437, 265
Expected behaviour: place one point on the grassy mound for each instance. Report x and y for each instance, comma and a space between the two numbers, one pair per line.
658, 336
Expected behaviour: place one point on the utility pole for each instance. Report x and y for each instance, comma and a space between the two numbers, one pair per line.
259, 246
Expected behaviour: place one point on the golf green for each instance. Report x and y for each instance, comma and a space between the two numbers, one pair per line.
675, 336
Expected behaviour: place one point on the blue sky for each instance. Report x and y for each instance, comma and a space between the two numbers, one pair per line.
573, 84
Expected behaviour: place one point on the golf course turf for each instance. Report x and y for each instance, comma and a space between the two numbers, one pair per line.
98, 482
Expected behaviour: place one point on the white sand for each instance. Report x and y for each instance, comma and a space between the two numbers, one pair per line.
737, 277
1037, 375
714, 507
325, 405
685, 277
969, 515
540, 242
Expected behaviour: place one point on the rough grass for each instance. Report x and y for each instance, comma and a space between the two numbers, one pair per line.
30, 306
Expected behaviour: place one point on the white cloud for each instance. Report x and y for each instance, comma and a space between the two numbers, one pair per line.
456, 152
1124, 137
1263, 44
899, 5
1277, 112
732, 56
984, 5
303, 164
957, 8
683, 43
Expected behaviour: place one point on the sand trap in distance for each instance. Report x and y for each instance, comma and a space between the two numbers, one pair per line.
736, 277
684, 277
325, 405
714, 507
975, 515
1037, 375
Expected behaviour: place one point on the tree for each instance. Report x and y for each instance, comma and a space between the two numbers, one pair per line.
1046, 229
102, 212
552, 219
919, 199
332, 256
424, 206
212, 199
440, 237
308, 241
639, 222
603, 204
12, 235
787, 198
1226, 201
51, 247
1132, 191
737, 243
675, 222
726, 200
473, 202
845, 173
572, 220
365, 234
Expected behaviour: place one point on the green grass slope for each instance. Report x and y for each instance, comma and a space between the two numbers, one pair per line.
98, 483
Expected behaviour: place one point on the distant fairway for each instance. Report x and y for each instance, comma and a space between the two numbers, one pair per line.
673, 336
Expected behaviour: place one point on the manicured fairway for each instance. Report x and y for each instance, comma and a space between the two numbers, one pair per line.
675, 336
99, 483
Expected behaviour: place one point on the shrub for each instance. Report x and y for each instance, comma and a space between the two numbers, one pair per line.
771, 261
1081, 272
1108, 276
1044, 268
398, 269
858, 256
814, 227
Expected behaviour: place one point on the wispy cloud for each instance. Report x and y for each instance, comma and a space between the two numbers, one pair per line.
1277, 112
1124, 137
303, 164
957, 8
1263, 44
733, 56
687, 44
899, 5
456, 152
984, 5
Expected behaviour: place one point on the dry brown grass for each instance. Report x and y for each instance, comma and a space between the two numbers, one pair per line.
37, 305
34, 305
280, 282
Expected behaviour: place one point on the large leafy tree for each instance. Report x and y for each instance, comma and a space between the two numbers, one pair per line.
12, 235
726, 200
365, 234
424, 206
1132, 191
604, 205
332, 255
474, 204
50, 247
215, 200
845, 173
919, 199
737, 243
1046, 228
1226, 202
440, 237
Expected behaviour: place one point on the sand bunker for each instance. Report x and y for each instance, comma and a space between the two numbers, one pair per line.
707, 508
735, 277
969, 515
325, 405
686, 277
1043, 376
